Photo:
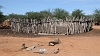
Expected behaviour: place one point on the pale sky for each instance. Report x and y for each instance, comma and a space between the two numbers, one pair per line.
23, 6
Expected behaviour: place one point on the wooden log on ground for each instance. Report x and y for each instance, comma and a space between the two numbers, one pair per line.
23, 46
52, 43
30, 48
41, 51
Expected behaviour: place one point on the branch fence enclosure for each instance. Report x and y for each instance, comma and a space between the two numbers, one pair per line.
52, 26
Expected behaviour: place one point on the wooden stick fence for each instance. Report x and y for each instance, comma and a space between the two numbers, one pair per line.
52, 26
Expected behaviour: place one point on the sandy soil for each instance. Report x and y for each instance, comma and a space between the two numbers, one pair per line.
85, 44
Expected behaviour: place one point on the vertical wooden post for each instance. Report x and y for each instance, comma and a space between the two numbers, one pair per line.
67, 26
55, 27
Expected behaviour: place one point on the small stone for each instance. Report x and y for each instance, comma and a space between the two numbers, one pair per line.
56, 51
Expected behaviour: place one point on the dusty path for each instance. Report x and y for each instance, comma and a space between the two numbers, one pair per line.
85, 44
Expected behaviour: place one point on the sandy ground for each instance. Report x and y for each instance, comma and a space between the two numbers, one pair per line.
85, 44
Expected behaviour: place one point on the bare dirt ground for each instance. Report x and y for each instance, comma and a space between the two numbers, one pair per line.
85, 44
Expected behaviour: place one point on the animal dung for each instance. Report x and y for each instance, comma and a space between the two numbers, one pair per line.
30, 48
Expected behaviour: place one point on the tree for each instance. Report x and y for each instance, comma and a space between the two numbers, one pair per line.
2, 17
17, 16
77, 13
0, 13
60, 13
46, 13
97, 15
34, 15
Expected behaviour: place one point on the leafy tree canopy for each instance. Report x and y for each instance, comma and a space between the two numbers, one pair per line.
34, 15
97, 14
78, 13
16, 16
46, 13
2, 17
60, 13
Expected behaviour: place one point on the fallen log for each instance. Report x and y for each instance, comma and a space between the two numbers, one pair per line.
30, 48
52, 43
41, 51
23, 46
